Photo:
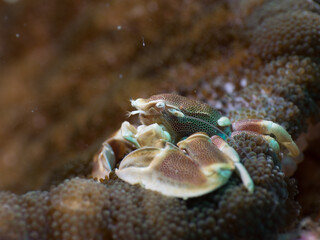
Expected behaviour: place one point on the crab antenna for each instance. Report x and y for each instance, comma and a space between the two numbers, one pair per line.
220, 131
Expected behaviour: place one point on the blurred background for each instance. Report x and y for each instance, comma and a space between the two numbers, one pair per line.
67, 72
69, 68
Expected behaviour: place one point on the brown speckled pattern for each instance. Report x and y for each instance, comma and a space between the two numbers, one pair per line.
77, 71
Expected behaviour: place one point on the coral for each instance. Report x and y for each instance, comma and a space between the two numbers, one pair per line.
278, 79
249, 59
85, 209
35, 209
76, 210
23, 216
281, 90
273, 7
217, 214
296, 33
12, 225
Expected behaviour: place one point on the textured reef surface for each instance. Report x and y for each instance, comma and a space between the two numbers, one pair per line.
68, 71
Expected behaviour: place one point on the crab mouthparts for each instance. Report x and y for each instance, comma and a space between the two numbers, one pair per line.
139, 103
135, 112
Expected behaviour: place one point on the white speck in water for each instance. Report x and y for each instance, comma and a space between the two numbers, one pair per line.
119, 27
143, 43
120, 76
229, 87
243, 82
34, 110
17, 35
218, 104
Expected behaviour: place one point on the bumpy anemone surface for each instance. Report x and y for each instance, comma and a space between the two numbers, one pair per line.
85, 209
277, 80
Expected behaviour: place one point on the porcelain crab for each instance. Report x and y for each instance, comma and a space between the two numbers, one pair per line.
179, 149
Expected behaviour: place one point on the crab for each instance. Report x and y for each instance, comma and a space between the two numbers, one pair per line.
180, 149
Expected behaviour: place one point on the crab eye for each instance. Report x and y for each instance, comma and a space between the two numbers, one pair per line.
160, 105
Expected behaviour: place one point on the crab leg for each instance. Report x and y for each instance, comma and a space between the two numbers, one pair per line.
233, 155
268, 127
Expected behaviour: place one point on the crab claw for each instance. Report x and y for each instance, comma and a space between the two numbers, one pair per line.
210, 153
103, 162
268, 127
171, 172
200, 149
